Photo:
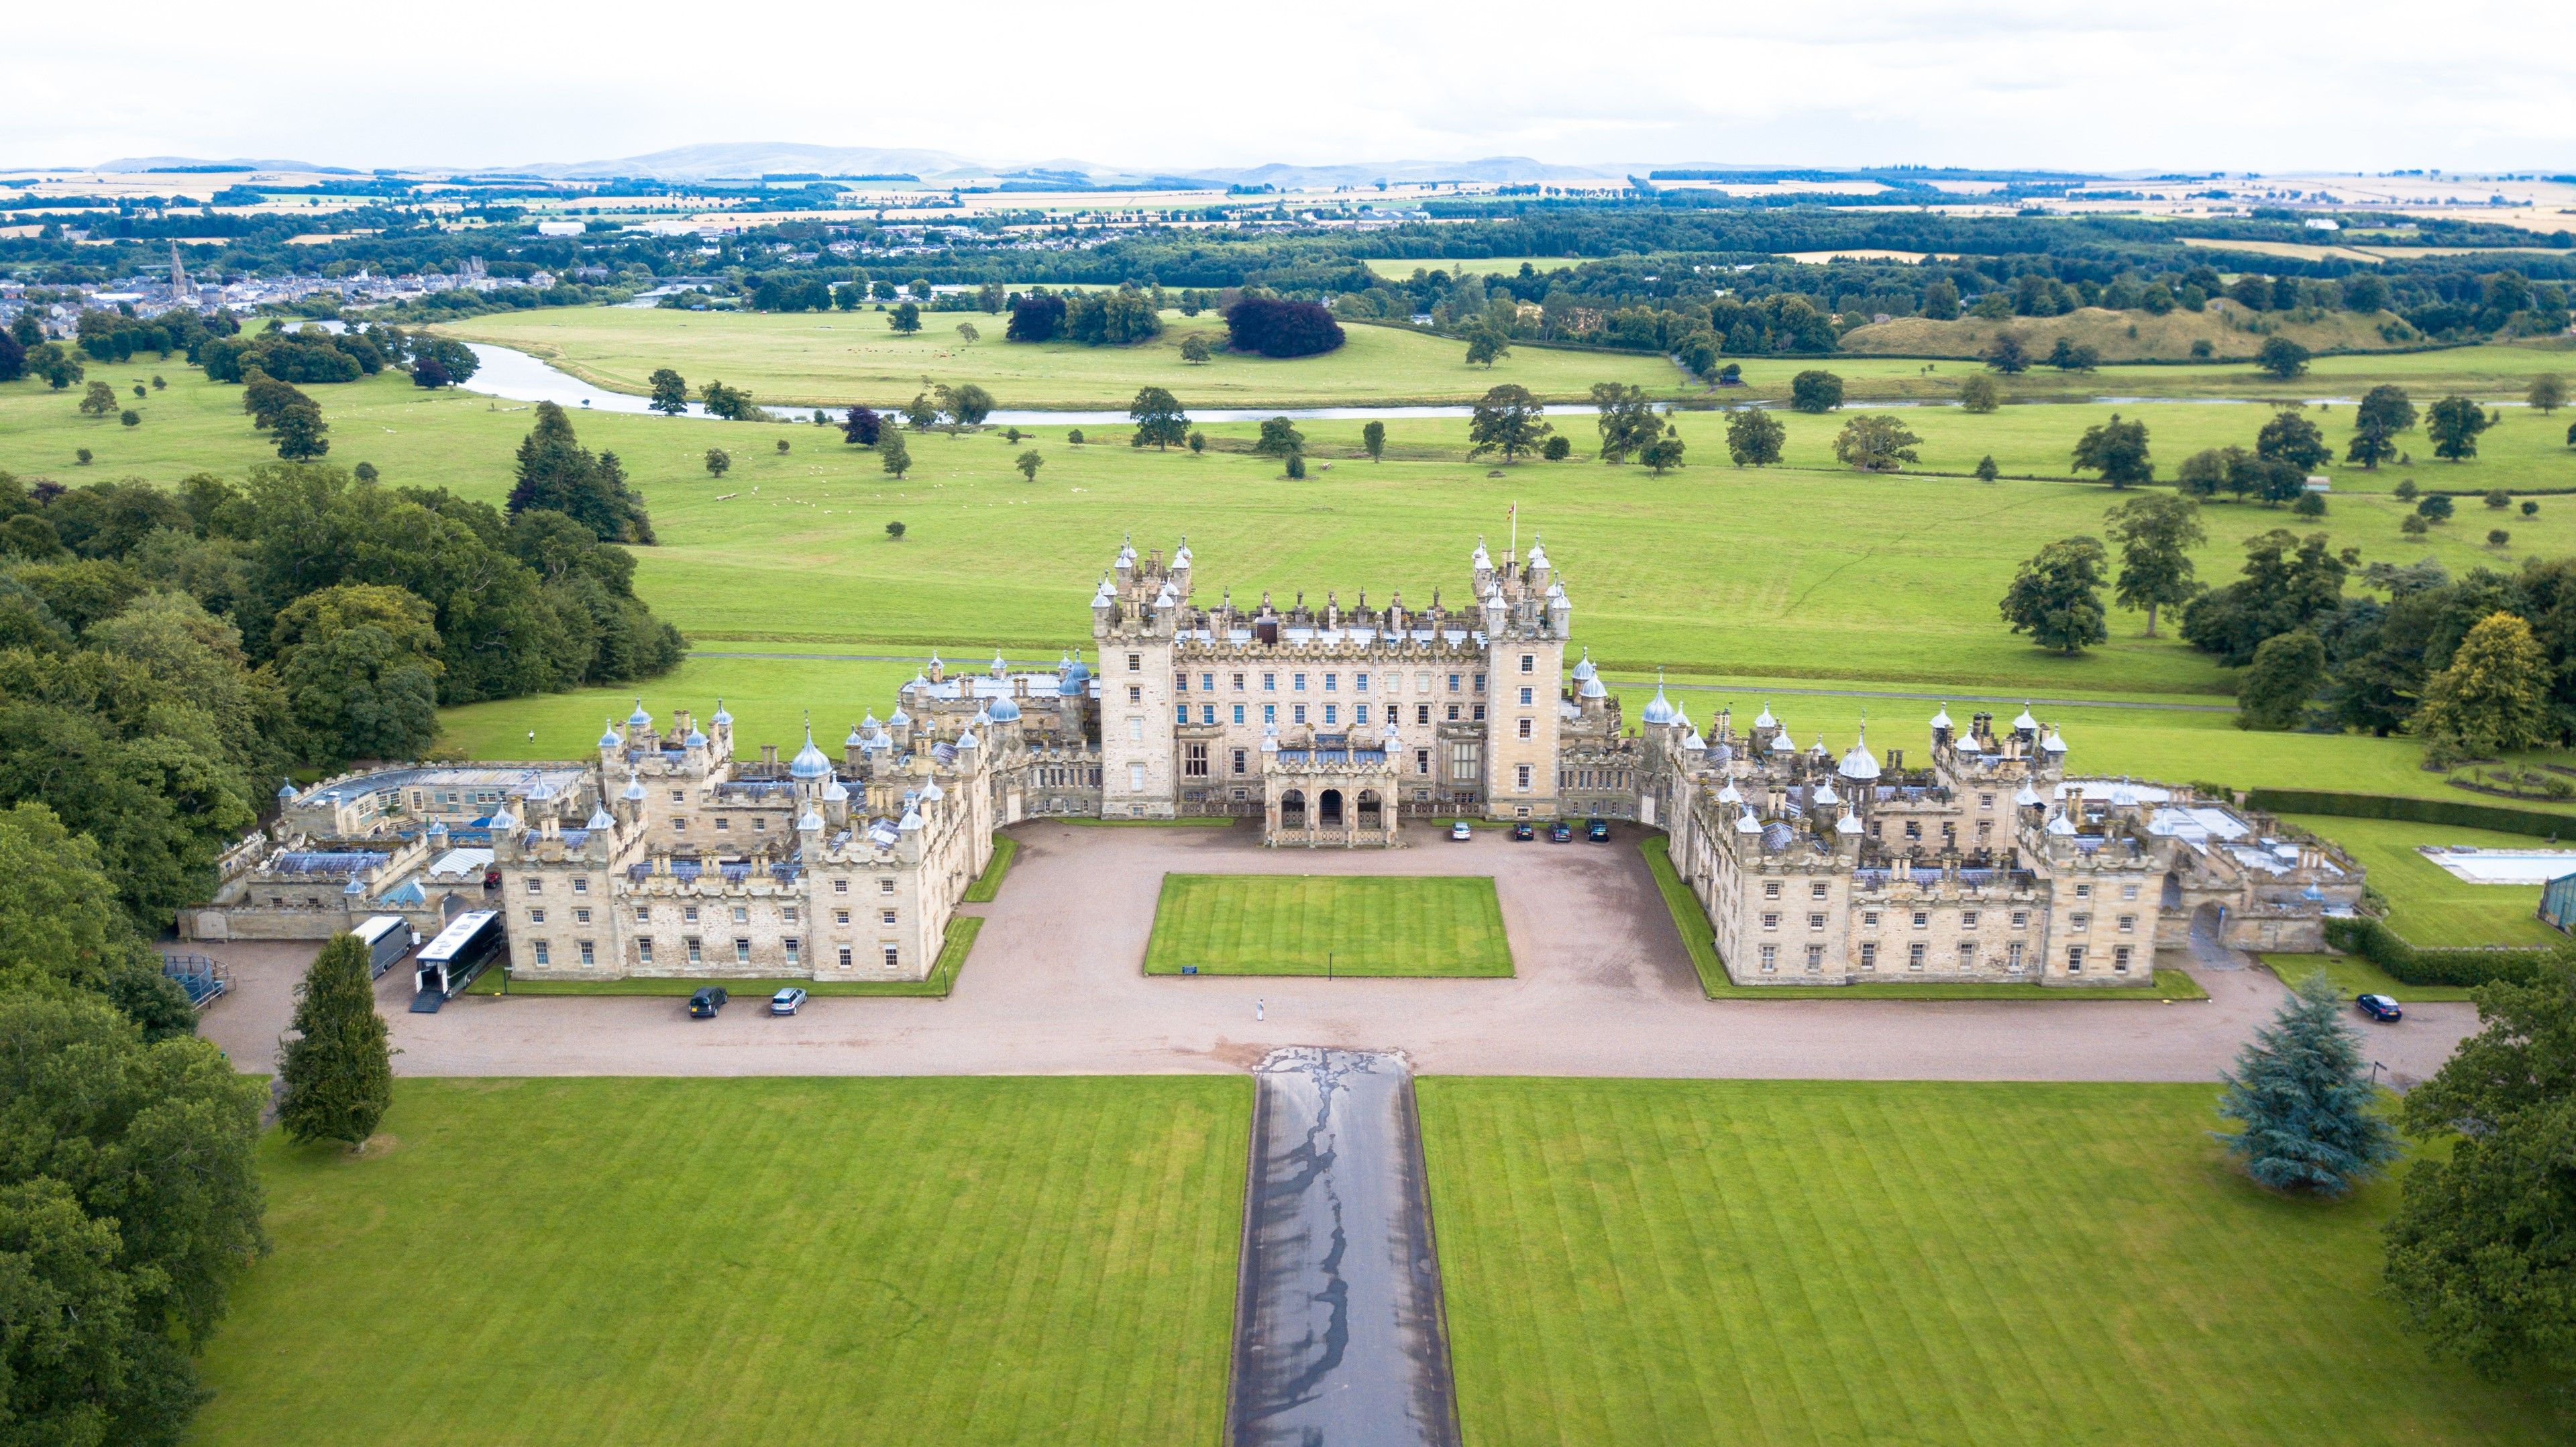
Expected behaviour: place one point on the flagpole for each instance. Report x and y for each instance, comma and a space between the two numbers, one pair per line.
1515, 551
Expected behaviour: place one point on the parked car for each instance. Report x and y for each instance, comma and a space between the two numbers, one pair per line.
787, 1001
1560, 832
1459, 830
1598, 831
2379, 1007
707, 1001
1523, 831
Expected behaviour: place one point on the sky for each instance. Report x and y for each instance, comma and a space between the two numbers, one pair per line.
2105, 85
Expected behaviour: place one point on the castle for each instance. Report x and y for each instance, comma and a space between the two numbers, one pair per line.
671, 854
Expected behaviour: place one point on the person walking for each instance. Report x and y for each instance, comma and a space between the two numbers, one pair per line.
1260, 1008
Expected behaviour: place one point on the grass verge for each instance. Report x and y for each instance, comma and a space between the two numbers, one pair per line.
988, 884
1644, 1262
953, 949
2352, 975
757, 1262
1701, 941
1307, 924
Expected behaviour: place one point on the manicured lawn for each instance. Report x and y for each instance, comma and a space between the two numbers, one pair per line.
2428, 904
1782, 1263
1301, 924
953, 949
769, 1261
988, 885
2353, 975
1701, 941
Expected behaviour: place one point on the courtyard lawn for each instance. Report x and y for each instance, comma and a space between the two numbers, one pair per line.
953, 949
1803, 1262
1700, 939
1298, 924
2429, 905
2352, 975
770, 1261
988, 885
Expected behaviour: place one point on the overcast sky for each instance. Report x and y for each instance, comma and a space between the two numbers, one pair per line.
2107, 85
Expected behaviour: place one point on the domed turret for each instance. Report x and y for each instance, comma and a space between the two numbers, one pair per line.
2055, 743
695, 740
639, 719
810, 821
1538, 554
809, 763
966, 740
931, 793
722, 719
1584, 672
1000, 669
1860, 765
2026, 797
1592, 688
1765, 720
600, 818
1824, 796
1782, 744
286, 792
2025, 724
1076, 680
1482, 561
1849, 823
1659, 709
836, 792
911, 821
1004, 710
898, 719
856, 740
608, 738
633, 793
1745, 823
1730, 794
2062, 825
1692, 743
1941, 721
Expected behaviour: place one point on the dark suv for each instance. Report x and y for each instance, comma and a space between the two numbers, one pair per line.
706, 1002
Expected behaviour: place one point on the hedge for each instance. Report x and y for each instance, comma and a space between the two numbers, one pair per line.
2457, 813
2383, 947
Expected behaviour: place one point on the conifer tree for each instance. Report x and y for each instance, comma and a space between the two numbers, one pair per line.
2305, 1099
337, 1066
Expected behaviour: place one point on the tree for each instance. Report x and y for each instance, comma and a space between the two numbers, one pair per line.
670, 392
2117, 450
2069, 356
1195, 349
1373, 438
2385, 407
298, 431
2286, 672
718, 461
2156, 534
2548, 392
2435, 508
2281, 357
1028, 463
129, 1199
2498, 537
2305, 1099
2007, 355
1279, 438
905, 318
1980, 395
13, 358
1274, 328
98, 401
61, 930
966, 333
2370, 447
556, 473
2530, 509
2057, 596
894, 531
1660, 456
2310, 505
130, 418
2494, 696
1486, 344
2482, 1248
1876, 444
990, 298
2293, 439
2498, 498
1159, 420
1754, 437
337, 1066
862, 427
59, 365
2413, 525
733, 404
1627, 420
1198, 442
2454, 424
964, 404
360, 666
1508, 420
893, 456
1986, 469
1815, 391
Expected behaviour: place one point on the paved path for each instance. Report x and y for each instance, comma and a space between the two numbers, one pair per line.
1338, 1334
1604, 988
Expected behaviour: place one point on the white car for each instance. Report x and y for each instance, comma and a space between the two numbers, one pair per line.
787, 1001
1460, 830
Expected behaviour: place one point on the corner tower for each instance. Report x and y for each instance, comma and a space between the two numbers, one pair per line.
1134, 619
1525, 616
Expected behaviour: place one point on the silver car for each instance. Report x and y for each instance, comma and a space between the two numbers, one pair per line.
787, 1001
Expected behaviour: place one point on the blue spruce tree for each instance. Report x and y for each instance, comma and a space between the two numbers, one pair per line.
2304, 1099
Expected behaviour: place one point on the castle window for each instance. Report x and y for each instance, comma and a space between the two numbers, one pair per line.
1181, 682
2079, 921
587, 959
2083, 891
741, 914
1914, 955
2128, 891
679, 826
581, 916
1207, 713
1135, 663
643, 914
1521, 778
1816, 890
790, 942
1480, 683
789, 914
2012, 957
1525, 728
1238, 683
644, 952
1913, 828
1136, 730
1478, 713
2021, 919
1922, 919
695, 956
536, 885
1422, 761
1238, 713
1136, 778
1207, 682
1770, 889
1194, 762
1359, 713
1770, 921
1332, 713
2128, 924
1296, 683
1869, 956
1180, 713
541, 952
1360, 682
840, 886
2120, 960
1135, 693
1332, 683
724, 826
886, 917
1815, 958
1985, 801
841, 917
845, 957
1422, 713
1967, 919
741, 951
1238, 753
536, 916
1529, 663
1770, 958
1270, 713
1985, 831
677, 797
689, 914
1815, 921
1270, 683
885, 883
1967, 955
1869, 919
1297, 713
1453, 682
1422, 683
892, 957
2074, 959
582, 886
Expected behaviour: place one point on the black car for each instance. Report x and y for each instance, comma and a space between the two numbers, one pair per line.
1523, 831
707, 1001
1560, 832
1598, 831
2379, 1007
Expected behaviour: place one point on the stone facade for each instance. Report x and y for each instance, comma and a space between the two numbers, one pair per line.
670, 854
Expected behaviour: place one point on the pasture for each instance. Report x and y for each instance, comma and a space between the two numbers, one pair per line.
1826, 1262
1302, 924
766, 1261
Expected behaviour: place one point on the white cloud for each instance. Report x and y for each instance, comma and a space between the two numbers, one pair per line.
2185, 83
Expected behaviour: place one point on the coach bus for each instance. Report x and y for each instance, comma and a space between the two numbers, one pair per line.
386, 937
450, 962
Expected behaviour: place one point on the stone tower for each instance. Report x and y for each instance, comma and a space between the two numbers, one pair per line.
1134, 618
1525, 616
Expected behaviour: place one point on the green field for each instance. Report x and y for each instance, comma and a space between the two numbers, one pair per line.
1303, 924
748, 1262
2352, 975
1980, 1265
2429, 905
